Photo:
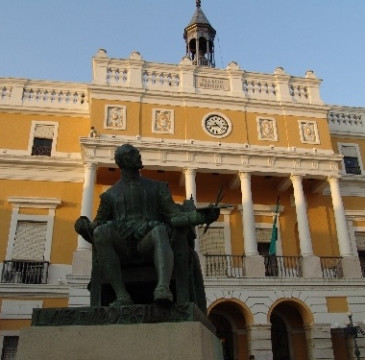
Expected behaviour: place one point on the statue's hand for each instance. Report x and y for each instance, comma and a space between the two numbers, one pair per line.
82, 227
208, 214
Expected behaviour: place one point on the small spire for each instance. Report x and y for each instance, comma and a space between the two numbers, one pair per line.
198, 3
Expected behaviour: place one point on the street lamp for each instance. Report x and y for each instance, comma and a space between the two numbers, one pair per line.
353, 330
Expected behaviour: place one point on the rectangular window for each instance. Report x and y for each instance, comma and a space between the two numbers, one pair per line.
29, 241
351, 160
43, 139
27, 265
10, 346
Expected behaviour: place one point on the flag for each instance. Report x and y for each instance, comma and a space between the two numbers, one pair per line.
274, 232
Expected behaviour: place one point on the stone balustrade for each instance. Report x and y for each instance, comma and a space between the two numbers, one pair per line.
346, 120
185, 77
44, 95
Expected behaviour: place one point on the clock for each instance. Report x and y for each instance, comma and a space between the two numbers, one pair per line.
216, 125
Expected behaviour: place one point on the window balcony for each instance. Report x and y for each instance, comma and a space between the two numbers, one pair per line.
331, 267
233, 266
282, 266
25, 272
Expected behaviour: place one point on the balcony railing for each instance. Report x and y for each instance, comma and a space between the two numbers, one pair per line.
282, 266
25, 272
231, 266
331, 267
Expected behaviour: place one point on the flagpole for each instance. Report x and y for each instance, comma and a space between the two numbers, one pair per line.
272, 266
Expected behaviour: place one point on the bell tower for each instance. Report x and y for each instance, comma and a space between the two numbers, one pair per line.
199, 39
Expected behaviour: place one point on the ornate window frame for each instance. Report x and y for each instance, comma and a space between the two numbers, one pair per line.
32, 136
308, 131
16, 216
267, 128
116, 111
356, 150
163, 121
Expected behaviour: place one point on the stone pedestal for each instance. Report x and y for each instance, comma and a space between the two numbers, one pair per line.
135, 332
254, 266
311, 267
351, 267
161, 341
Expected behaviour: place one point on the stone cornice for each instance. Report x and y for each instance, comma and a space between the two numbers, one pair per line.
40, 169
8, 290
214, 156
207, 101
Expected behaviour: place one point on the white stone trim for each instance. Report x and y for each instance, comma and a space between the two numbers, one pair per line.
121, 112
308, 131
32, 134
18, 202
163, 121
351, 216
179, 154
19, 309
267, 128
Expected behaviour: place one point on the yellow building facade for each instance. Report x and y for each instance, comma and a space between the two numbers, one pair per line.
261, 137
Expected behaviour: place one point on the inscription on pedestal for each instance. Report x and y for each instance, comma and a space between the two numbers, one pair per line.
108, 315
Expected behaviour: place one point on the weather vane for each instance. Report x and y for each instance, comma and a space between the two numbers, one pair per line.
198, 3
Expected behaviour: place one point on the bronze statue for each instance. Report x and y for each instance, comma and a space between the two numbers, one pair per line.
134, 224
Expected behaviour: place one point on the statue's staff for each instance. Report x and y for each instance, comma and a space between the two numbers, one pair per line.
215, 205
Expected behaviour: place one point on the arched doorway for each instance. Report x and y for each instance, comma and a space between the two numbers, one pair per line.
229, 320
224, 334
288, 335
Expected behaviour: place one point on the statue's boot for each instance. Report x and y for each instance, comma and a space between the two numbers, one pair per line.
125, 299
163, 295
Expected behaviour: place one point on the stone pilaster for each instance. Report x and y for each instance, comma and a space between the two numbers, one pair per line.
260, 342
319, 342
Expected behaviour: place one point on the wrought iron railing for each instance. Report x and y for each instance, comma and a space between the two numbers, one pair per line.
45, 150
231, 266
282, 266
25, 272
331, 267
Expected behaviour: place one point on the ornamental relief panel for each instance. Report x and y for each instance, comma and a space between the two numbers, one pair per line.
115, 117
266, 128
163, 121
308, 132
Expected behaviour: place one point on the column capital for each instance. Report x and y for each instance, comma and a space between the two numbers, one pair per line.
90, 165
296, 177
333, 178
244, 174
189, 171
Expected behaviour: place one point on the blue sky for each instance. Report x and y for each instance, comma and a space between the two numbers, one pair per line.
55, 40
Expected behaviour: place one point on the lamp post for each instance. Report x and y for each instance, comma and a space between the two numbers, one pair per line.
353, 330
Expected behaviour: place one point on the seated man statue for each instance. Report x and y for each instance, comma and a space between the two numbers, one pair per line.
134, 224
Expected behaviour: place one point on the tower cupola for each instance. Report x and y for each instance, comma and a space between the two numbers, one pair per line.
199, 39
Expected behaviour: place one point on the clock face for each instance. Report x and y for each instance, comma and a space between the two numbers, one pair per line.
216, 125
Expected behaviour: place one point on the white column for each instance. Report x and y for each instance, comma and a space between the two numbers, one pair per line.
190, 185
87, 200
301, 209
248, 218
340, 218
190, 191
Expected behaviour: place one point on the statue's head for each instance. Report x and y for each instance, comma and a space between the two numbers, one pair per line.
128, 157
